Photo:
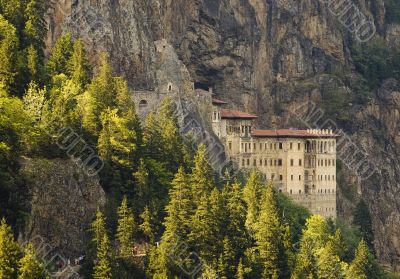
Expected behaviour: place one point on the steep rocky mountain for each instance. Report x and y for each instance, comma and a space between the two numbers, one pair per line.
269, 57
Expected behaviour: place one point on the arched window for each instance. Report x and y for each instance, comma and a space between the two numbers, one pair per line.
143, 104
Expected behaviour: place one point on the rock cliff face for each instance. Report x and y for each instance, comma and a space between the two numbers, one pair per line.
64, 203
265, 56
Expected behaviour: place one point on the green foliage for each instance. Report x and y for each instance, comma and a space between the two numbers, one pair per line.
98, 228
364, 265
362, 219
374, 61
35, 26
335, 102
126, 229
9, 253
270, 236
9, 44
34, 101
102, 268
202, 176
78, 67
180, 207
294, 215
252, 194
148, 225
60, 55
392, 9
30, 267
12, 10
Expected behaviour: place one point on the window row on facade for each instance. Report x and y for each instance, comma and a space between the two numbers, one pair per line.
312, 162
319, 191
318, 146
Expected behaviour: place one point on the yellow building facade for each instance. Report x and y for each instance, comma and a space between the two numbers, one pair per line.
301, 163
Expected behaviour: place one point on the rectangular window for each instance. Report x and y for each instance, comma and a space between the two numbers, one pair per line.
242, 162
300, 162
291, 177
299, 177
265, 162
274, 162
299, 146
270, 146
254, 146
280, 162
270, 162
248, 162
265, 146
280, 145
281, 177
260, 146
291, 162
291, 145
260, 162
274, 146
230, 145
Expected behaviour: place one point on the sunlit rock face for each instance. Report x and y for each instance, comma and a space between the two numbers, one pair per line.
266, 57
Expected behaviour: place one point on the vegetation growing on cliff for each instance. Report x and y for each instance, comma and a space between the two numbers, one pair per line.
168, 197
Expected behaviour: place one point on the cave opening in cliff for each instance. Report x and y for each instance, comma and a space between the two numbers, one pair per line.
202, 85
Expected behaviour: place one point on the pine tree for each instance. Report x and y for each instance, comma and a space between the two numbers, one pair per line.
269, 236
99, 96
142, 187
315, 236
362, 219
227, 260
34, 101
33, 65
126, 229
236, 217
102, 267
30, 267
60, 55
240, 273
180, 207
202, 177
252, 193
364, 264
8, 54
205, 233
78, 66
118, 141
147, 226
98, 228
12, 10
35, 26
329, 265
9, 252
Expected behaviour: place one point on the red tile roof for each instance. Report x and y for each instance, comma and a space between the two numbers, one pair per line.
218, 102
236, 114
289, 133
